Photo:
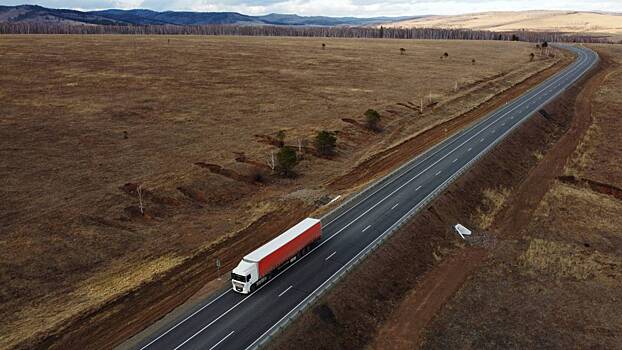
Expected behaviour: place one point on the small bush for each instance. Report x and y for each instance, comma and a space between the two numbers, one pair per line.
280, 137
287, 160
325, 143
372, 118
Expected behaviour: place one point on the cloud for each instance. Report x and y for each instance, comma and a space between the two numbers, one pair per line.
358, 8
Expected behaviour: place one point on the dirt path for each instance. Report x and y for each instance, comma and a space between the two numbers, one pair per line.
521, 205
405, 325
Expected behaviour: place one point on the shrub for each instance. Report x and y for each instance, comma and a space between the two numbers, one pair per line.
325, 143
287, 160
280, 137
372, 118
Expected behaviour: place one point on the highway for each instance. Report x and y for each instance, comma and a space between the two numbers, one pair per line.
232, 321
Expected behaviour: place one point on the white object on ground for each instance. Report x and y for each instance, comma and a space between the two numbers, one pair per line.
462, 231
334, 199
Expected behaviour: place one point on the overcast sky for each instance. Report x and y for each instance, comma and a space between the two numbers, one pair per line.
357, 8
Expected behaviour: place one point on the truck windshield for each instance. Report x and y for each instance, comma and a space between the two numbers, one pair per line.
237, 277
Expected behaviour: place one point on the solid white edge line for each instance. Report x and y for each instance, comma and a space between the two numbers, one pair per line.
552, 80
365, 249
186, 319
221, 340
577, 65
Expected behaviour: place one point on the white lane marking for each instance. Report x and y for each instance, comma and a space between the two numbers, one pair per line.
330, 256
417, 189
503, 124
221, 340
481, 140
366, 228
373, 242
437, 174
493, 131
470, 148
393, 207
558, 78
455, 160
185, 319
285, 291
561, 77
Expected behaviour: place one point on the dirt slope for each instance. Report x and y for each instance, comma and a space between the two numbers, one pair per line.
554, 281
87, 119
401, 286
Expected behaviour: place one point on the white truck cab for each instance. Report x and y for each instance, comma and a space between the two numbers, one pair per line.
244, 276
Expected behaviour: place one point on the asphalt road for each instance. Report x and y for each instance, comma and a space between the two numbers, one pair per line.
232, 321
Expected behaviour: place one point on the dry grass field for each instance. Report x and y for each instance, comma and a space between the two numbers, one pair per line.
85, 119
547, 21
555, 283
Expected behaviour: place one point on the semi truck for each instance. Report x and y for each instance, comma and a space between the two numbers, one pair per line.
265, 262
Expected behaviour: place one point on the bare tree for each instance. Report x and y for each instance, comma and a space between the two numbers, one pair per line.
302, 144
272, 161
141, 206
421, 108
323, 46
402, 50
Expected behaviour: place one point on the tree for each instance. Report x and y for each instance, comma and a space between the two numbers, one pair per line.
323, 46
531, 57
325, 143
372, 118
280, 137
445, 55
402, 50
302, 145
141, 206
473, 61
272, 161
287, 160
515, 37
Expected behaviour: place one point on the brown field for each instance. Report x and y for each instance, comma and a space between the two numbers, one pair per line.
543, 268
594, 23
84, 119
388, 300
555, 280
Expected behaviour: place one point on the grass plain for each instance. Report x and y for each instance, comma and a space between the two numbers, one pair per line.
589, 23
86, 119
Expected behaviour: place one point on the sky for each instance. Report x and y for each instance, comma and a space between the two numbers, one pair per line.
356, 8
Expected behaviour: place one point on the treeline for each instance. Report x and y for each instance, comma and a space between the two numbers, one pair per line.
293, 31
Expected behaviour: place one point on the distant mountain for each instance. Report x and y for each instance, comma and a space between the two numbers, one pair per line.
34, 13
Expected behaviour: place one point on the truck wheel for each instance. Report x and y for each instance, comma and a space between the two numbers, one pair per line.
253, 288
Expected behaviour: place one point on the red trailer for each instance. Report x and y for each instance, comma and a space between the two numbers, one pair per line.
256, 267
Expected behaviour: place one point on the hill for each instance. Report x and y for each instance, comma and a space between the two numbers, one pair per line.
39, 14
596, 23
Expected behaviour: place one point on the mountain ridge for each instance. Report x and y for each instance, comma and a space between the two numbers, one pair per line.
40, 14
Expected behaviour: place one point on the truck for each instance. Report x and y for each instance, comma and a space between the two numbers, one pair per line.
257, 267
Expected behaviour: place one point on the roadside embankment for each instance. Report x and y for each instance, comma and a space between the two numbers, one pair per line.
387, 301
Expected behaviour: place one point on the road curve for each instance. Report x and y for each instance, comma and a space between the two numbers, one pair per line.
232, 321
